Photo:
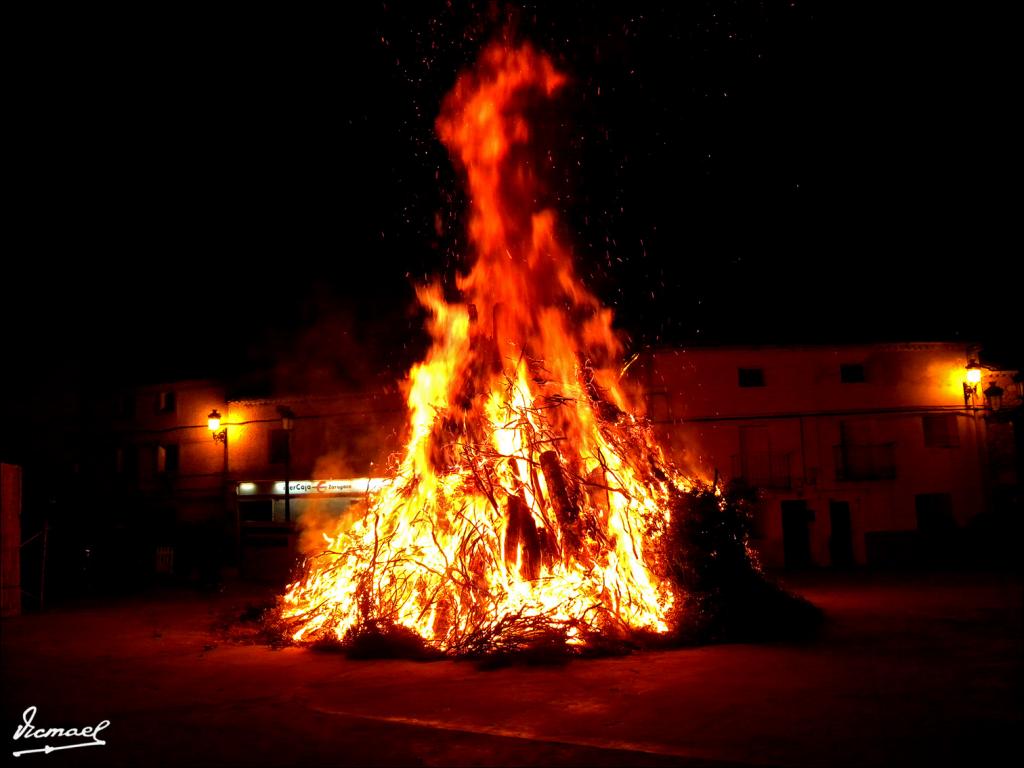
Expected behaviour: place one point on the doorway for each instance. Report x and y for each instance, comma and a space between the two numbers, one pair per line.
840, 542
796, 533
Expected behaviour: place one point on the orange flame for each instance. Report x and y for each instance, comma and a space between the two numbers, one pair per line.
527, 498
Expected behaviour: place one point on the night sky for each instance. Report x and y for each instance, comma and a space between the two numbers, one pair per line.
208, 194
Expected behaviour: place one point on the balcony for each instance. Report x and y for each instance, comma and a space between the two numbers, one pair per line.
855, 463
764, 469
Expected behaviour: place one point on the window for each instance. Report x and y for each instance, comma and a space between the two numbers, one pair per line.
941, 430
860, 455
751, 377
757, 464
852, 373
256, 510
166, 402
167, 459
279, 448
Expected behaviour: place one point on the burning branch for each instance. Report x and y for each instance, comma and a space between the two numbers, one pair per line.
528, 504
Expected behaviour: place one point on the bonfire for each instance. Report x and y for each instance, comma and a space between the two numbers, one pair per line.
529, 501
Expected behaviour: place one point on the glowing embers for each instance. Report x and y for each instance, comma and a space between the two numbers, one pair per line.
528, 502
503, 539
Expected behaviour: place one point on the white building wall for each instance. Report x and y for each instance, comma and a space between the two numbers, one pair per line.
801, 414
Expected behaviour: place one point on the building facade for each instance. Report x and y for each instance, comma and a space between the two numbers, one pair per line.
859, 454
210, 482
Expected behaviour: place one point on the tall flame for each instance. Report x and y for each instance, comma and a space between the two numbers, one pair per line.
527, 498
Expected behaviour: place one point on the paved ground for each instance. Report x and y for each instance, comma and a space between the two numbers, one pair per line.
909, 671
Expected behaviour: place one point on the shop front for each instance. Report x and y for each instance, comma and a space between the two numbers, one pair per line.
271, 517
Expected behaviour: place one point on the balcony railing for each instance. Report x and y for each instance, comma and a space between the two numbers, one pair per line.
865, 462
764, 469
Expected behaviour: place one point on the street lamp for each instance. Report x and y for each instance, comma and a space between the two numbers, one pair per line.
213, 422
220, 435
973, 378
994, 396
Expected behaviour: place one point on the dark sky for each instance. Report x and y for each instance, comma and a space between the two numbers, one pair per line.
212, 192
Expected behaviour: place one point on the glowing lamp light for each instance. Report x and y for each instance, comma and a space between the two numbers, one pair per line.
287, 418
971, 381
213, 422
973, 372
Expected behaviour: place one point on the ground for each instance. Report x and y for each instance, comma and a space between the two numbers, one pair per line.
908, 670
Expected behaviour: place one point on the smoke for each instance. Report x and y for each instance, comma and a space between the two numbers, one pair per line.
320, 517
336, 365
337, 344
359, 444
